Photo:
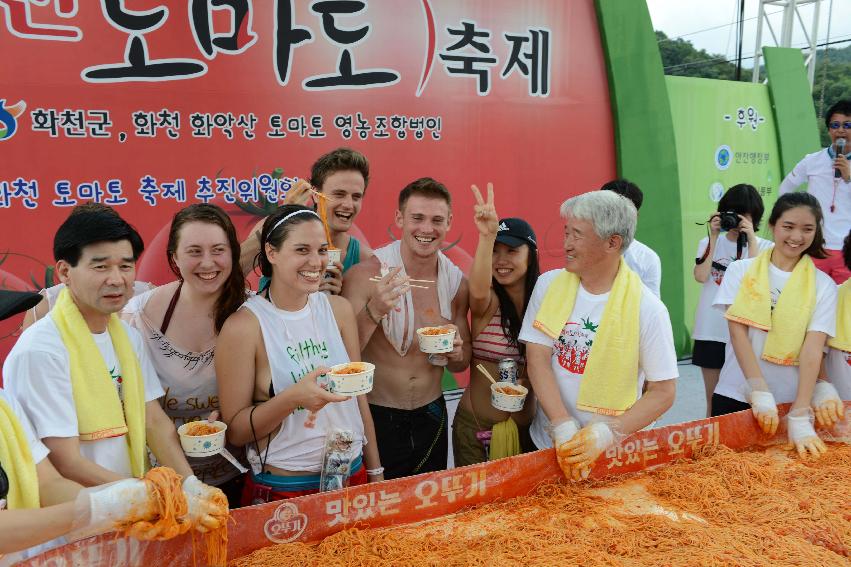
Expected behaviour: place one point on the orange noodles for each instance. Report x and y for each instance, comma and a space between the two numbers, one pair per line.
170, 515
725, 508
216, 541
353, 368
430, 331
198, 428
509, 391
323, 214
165, 493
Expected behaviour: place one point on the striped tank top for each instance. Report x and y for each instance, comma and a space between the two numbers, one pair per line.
492, 344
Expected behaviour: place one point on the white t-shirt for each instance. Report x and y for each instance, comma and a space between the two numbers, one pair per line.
657, 358
816, 170
37, 448
782, 380
838, 367
646, 263
709, 323
37, 374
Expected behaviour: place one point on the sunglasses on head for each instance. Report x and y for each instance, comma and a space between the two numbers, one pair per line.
836, 124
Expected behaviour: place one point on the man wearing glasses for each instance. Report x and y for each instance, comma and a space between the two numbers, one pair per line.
828, 178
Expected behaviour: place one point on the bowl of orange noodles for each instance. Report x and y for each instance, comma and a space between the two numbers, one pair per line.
351, 378
436, 340
202, 438
506, 396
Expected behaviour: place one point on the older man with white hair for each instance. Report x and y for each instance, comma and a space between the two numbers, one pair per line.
594, 334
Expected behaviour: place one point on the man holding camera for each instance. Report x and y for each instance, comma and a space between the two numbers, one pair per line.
828, 177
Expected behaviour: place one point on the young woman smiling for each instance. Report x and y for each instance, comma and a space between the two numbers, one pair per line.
180, 321
271, 353
503, 276
780, 310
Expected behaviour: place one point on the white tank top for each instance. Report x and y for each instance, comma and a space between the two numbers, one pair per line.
296, 343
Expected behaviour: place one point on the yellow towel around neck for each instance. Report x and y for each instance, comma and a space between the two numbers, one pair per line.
505, 440
100, 414
787, 323
609, 385
17, 461
842, 340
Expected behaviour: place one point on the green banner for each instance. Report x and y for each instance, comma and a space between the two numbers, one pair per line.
725, 135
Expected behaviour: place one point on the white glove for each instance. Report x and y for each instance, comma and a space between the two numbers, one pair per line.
208, 506
764, 406
121, 502
827, 404
802, 435
563, 432
580, 452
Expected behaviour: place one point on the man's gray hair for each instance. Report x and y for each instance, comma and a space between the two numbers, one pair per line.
607, 211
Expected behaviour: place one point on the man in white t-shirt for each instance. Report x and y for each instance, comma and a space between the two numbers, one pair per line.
598, 227
638, 256
37, 505
96, 256
828, 177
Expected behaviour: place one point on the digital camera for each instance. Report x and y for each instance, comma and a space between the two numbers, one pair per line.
729, 220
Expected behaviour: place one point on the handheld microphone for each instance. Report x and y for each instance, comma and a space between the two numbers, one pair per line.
840, 149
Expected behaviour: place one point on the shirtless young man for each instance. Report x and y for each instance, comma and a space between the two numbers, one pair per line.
407, 402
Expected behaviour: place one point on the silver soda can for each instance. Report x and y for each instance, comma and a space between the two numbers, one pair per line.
508, 370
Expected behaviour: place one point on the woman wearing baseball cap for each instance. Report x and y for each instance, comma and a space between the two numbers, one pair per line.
504, 272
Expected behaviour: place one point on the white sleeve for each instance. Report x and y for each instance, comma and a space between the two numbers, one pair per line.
726, 293
764, 244
824, 314
153, 388
797, 177
37, 448
657, 357
654, 274
528, 333
701, 248
40, 382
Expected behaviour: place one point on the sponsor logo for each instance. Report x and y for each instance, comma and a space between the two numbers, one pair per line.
286, 524
9, 118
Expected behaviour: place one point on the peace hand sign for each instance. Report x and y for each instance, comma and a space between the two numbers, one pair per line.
486, 219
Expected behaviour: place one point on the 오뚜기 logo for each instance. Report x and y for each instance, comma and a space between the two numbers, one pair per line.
9, 118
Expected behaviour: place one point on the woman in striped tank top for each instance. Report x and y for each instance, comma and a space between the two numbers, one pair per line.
502, 278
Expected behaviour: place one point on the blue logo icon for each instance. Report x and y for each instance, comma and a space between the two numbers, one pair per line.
9, 118
722, 157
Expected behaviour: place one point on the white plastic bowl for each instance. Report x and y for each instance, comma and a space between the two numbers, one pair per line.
202, 445
508, 402
436, 344
351, 384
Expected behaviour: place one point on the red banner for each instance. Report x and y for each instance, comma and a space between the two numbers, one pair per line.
152, 105
425, 496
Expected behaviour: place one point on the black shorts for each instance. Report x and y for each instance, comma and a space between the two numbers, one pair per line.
412, 441
708, 354
722, 405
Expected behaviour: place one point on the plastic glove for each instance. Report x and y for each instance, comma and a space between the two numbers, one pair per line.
208, 506
763, 405
799, 424
561, 433
122, 504
827, 404
584, 448
105, 507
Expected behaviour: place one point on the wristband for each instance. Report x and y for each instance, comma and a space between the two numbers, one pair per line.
376, 320
375, 472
